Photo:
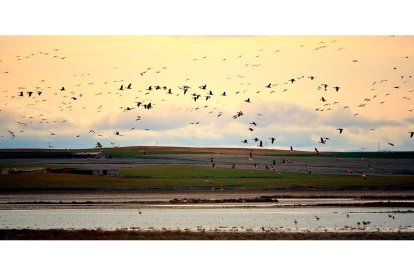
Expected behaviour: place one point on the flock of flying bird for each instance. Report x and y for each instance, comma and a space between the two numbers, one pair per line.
200, 95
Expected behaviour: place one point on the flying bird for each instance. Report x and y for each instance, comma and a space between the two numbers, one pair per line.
340, 130
12, 134
251, 155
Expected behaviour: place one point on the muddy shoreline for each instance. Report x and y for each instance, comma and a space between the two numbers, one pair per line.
208, 199
210, 205
60, 234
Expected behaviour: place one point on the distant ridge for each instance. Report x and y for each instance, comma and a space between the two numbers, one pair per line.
135, 151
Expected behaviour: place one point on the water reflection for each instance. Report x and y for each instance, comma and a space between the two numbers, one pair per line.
218, 219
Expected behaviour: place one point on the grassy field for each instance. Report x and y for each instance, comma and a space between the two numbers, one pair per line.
192, 177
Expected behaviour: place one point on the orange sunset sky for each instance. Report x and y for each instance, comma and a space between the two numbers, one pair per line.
373, 104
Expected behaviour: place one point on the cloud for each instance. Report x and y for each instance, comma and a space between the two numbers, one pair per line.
291, 124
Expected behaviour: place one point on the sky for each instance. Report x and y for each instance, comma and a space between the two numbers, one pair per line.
373, 104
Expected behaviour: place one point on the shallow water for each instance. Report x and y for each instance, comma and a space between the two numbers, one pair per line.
280, 219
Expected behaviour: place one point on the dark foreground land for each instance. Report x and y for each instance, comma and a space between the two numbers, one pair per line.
58, 234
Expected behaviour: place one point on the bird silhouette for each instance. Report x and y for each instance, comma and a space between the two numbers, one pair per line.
340, 130
272, 139
411, 134
12, 134
251, 155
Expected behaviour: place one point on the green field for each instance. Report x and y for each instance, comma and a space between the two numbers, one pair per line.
191, 177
